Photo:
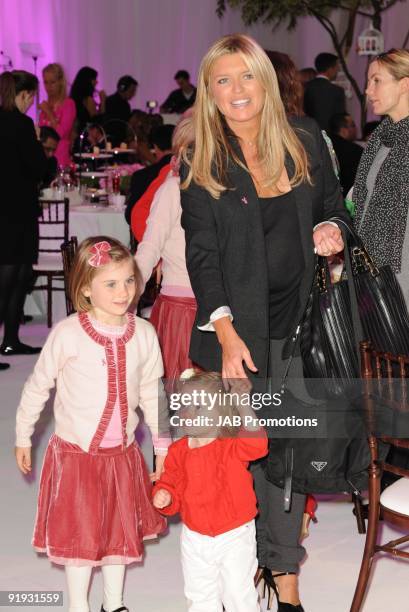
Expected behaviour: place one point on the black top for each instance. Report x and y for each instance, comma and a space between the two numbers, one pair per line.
140, 181
83, 116
23, 165
285, 261
117, 110
176, 102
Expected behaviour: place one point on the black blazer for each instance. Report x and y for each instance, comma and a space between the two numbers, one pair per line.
23, 165
225, 249
322, 100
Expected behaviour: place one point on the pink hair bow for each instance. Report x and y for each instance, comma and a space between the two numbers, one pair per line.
99, 254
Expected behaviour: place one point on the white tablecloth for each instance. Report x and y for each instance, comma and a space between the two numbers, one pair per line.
85, 221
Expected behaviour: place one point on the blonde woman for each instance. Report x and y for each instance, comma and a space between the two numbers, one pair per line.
58, 111
258, 194
381, 190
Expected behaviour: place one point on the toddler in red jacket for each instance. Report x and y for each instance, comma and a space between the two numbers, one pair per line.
206, 479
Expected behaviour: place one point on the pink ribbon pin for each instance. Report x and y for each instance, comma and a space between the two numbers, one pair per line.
244, 200
99, 254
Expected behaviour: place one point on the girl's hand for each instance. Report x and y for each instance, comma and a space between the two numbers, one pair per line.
162, 498
159, 461
328, 240
23, 458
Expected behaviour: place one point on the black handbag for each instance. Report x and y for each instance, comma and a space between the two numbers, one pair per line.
382, 308
367, 304
329, 334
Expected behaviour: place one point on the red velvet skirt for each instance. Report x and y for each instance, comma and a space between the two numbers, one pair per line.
94, 509
173, 319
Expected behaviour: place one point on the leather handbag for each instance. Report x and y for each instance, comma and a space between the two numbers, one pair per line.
367, 304
382, 308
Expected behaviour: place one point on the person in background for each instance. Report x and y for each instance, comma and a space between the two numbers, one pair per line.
369, 127
342, 131
82, 92
323, 99
162, 239
49, 139
289, 83
182, 98
94, 137
306, 75
58, 111
118, 110
22, 167
141, 179
381, 188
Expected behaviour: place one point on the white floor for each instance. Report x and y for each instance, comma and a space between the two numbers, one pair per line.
327, 578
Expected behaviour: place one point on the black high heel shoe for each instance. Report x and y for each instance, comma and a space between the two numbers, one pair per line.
123, 609
282, 606
263, 587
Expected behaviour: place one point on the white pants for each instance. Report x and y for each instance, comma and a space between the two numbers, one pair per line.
220, 570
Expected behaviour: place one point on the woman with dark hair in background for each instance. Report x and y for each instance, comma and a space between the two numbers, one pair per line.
22, 166
82, 92
58, 111
289, 83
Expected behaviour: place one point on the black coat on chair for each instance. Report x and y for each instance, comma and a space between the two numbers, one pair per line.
225, 249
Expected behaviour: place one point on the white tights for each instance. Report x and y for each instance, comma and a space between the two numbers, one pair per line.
78, 579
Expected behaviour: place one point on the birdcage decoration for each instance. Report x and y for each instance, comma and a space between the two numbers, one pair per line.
370, 42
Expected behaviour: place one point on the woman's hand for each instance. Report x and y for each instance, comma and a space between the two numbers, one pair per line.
234, 350
45, 107
159, 461
328, 240
23, 458
162, 498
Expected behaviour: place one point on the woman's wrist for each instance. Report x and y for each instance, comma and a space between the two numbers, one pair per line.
224, 329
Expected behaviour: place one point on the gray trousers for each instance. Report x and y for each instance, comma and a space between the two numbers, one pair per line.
278, 532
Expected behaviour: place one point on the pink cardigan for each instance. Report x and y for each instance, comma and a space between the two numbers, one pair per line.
164, 238
65, 113
79, 362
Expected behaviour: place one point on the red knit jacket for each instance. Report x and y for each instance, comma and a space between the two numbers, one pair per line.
211, 486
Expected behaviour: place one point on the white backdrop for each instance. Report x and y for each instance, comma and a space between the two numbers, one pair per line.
151, 39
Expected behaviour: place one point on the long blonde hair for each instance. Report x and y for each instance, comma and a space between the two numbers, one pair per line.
212, 150
59, 74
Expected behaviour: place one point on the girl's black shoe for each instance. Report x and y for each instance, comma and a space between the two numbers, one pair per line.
123, 609
281, 605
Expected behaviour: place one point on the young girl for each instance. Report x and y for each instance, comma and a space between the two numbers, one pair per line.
206, 479
94, 506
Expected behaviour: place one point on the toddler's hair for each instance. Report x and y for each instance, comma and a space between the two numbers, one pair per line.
82, 272
212, 383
